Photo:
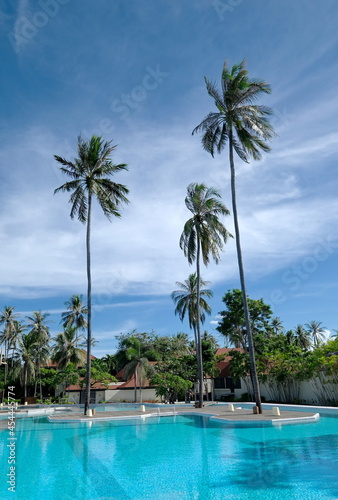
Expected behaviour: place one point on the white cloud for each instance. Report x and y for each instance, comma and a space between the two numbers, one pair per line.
322, 146
19, 38
43, 248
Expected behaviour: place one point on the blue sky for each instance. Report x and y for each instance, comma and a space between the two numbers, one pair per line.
134, 72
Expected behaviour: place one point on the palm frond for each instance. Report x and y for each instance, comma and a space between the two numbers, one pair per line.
237, 112
185, 299
215, 94
66, 163
68, 186
79, 203
91, 172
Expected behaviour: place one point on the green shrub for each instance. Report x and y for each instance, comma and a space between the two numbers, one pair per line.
244, 397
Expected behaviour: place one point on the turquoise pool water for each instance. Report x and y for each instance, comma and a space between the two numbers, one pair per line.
169, 458
116, 407
136, 406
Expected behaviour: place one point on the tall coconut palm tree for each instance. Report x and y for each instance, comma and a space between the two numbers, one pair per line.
316, 331
277, 325
180, 344
68, 355
75, 314
245, 128
302, 337
110, 362
203, 234
7, 318
290, 337
138, 363
66, 351
18, 329
90, 175
185, 299
27, 355
40, 333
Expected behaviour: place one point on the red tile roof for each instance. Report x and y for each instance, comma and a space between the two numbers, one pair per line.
52, 364
224, 364
123, 384
129, 384
225, 350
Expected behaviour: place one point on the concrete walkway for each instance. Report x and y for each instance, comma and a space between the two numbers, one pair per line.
215, 412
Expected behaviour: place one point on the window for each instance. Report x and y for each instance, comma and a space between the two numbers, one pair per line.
233, 383
219, 383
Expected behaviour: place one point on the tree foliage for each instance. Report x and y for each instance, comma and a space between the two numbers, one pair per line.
233, 325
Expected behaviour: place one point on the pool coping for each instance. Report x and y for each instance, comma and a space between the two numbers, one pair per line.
274, 421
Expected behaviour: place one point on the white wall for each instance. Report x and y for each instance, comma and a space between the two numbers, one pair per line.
308, 392
74, 397
121, 395
100, 396
315, 392
116, 395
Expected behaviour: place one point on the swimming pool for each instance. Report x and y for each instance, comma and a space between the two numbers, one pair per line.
117, 406
166, 458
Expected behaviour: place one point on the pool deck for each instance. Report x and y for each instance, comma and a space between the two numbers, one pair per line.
215, 413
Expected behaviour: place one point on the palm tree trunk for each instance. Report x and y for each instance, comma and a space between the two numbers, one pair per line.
198, 323
40, 383
89, 307
135, 385
12, 358
5, 378
6, 369
197, 356
140, 382
253, 370
25, 381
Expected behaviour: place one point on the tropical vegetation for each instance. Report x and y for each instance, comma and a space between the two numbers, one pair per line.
42, 365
